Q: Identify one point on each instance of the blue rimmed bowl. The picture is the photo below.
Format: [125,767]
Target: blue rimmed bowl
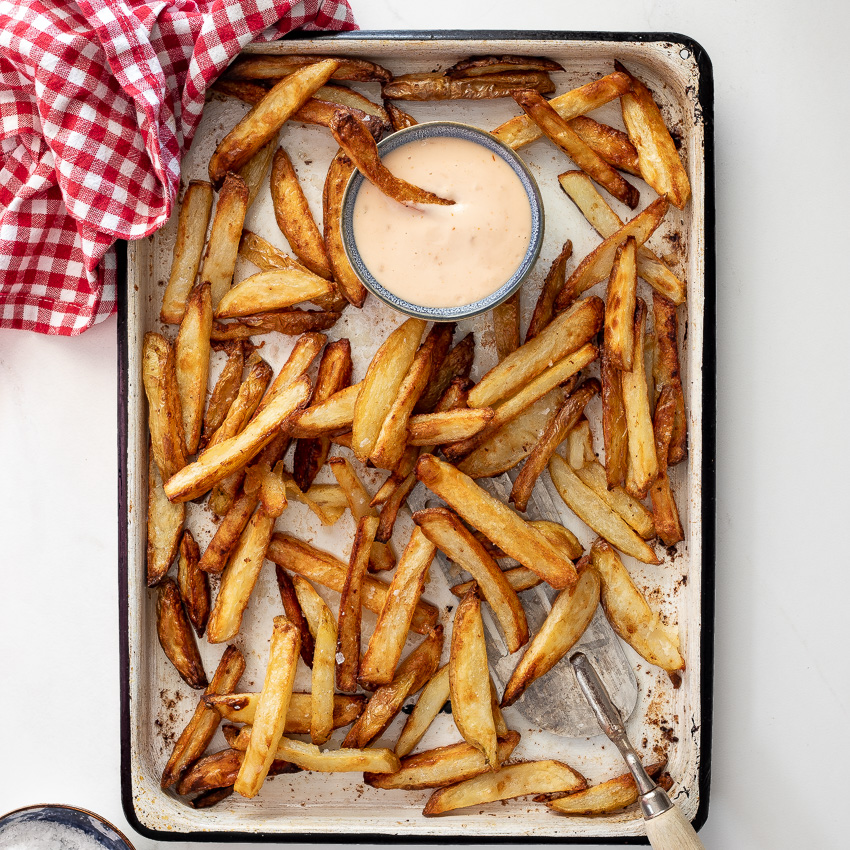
[455,130]
[47,817]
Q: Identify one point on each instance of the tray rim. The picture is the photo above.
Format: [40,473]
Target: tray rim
[708,493]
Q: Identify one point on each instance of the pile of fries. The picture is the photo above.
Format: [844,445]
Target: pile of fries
[417,415]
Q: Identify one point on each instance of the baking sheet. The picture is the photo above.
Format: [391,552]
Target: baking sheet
[157,703]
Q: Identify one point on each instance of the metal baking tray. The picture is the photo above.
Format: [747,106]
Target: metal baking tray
[156,704]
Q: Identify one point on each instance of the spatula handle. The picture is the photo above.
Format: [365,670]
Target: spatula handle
[671,830]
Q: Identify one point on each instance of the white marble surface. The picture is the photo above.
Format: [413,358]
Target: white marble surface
[782,688]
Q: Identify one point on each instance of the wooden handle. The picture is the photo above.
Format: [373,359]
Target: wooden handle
[672,831]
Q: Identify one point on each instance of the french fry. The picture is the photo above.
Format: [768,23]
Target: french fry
[192,226]
[445,530]
[620,307]
[192,362]
[322,110]
[478,65]
[521,130]
[331,416]
[594,512]
[544,309]
[176,636]
[272,706]
[612,145]
[357,142]
[334,374]
[292,609]
[666,372]
[246,402]
[659,161]
[399,118]
[324,569]
[241,708]
[193,583]
[579,451]
[442,766]
[269,291]
[519,578]
[289,322]
[515,780]
[554,434]
[560,537]
[260,478]
[565,623]
[350,605]
[224,392]
[165,522]
[256,169]
[505,528]
[302,355]
[327,501]
[387,641]
[642,456]
[380,387]
[593,207]
[506,326]
[226,457]
[249,92]
[355,102]
[269,67]
[228,533]
[562,337]
[664,510]
[604,798]
[559,131]
[392,505]
[437,429]
[438,86]
[469,678]
[614,429]
[218,770]
[431,701]
[261,124]
[164,419]
[457,364]
[196,737]
[630,615]
[632,511]
[294,218]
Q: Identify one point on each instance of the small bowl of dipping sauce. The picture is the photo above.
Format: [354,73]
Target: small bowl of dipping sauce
[443,263]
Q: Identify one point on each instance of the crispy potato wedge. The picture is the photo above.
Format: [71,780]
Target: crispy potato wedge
[604,798]
[228,533]
[519,578]
[164,419]
[322,111]
[553,435]
[192,223]
[193,583]
[620,307]
[666,372]
[475,66]
[251,391]
[324,569]
[165,522]
[593,207]
[292,609]
[398,117]
[271,67]
[457,364]
[240,708]
[303,353]
[664,510]
[630,615]
[192,363]
[333,415]
[614,429]
[562,337]
[223,244]
[176,636]
[521,130]
[611,144]
[431,701]
[544,309]
[514,780]
[442,766]
[268,483]
[557,130]
[437,429]
[288,322]
[356,102]
[269,291]
[445,530]
[437,86]
[632,511]
[594,512]
[565,623]
[272,707]
[224,392]
[560,537]
[294,218]
[256,169]
[261,124]
[506,326]
[218,770]
[199,731]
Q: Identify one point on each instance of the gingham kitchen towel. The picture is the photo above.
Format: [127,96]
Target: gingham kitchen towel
[98,101]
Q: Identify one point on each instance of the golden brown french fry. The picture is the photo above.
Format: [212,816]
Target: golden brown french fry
[632,511]
[559,131]
[611,144]
[356,102]
[289,322]
[350,606]
[642,455]
[442,766]
[261,124]
[506,326]
[554,434]
[519,578]
[228,533]
[294,218]
[188,246]
[544,309]
[630,615]
[594,512]
[270,67]
[227,457]
[327,501]
[218,770]
[437,86]
[565,623]
[446,531]
[469,678]
[560,537]
[436,429]
[164,419]
[392,505]
[521,130]
[193,583]
[303,353]
[593,207]
[664,510]
[246,402]
[562,337]
[604,798]
[241,708]
[431,701]
[659,161]
[292,609]
[324,569]
[323,108]
[666,372]
[478,65]
[192,362]
[515,780]
[399,118]
[509,531]
[165,522]
[224,392]
[457,364]
[268,483]
[614,430]
[331,416]
[357,142]
[269,291]
[251,93]
[176,636]
[196,737]
[620,307]
[272,706]
[256,169]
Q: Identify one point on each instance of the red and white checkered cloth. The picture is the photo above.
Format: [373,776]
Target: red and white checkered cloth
[98,101]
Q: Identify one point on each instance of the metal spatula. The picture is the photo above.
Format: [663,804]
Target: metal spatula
[554,702]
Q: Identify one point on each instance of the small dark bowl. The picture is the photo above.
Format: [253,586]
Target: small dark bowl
[455,130]
[94,826]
